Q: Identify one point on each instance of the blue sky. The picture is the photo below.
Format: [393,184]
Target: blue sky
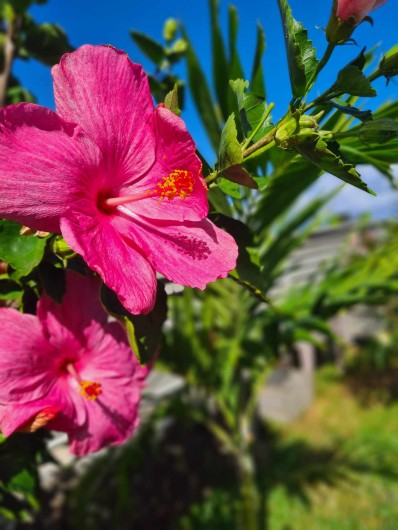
[97,22]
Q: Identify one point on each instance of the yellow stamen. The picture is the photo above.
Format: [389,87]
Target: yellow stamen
[90,389]
[179,183]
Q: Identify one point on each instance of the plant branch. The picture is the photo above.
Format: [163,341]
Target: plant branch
[9,54]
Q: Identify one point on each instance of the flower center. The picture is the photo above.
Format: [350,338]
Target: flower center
[179,183]
[88,389]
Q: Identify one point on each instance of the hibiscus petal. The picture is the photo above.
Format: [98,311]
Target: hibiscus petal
[18,417]
[63,404]
[40,155]
[99,88]
[80,310]
[175,150]
[27,360]
[192,254]
[123,268]
[112,416]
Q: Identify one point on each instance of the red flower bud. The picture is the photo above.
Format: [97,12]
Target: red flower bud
[356,9]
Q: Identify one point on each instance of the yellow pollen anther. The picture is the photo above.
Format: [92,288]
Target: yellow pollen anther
[39,420]
[179,183]
[90,389]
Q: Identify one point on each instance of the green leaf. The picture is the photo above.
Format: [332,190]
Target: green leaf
[219,58]
[351,80]
[53,280]
[45,42]
[301,56]
[144,331]
[10,289]
[328,157]
[217,201]
[230,188]
[239,175]
[235,66]
[292,176]
[247,266]
[23,253]
[230,152]
[171,101]
[149,47]
[378,131]
[252,110]
[201,95]
[362,115]
[257,77]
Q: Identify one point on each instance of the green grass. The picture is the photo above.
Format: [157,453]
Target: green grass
[343,470]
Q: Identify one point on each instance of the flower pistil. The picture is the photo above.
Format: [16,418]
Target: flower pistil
[179,183]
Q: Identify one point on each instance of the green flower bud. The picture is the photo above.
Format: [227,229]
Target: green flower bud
[170,29]
[296,130]
[389,64]
[378,131]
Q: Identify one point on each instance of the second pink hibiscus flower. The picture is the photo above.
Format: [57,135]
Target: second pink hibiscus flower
[119,179]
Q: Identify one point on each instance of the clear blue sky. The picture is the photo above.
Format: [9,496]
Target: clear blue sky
[97,22]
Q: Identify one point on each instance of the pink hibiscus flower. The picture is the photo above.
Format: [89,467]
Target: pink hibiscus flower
[356,9]
[119,179]
[70,370]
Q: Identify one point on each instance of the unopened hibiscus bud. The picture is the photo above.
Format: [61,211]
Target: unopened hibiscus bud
[296,130]
[345,17]
[378,131]
[389,64]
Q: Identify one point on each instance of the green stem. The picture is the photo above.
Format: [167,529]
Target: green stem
[374,76]
[250,499]
[267,139]
[322,63]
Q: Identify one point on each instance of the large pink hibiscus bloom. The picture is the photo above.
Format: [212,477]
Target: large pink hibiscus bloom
[118,178]
[69,369]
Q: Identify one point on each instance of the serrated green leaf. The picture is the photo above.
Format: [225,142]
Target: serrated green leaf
[23,253]
[252,110]
[301,55]
[351,80]
[230,152]
[328,157]
[257,78]
[149,47]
